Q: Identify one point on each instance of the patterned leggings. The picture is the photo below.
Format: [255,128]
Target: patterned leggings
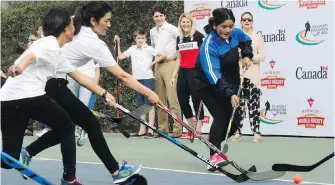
[250,95]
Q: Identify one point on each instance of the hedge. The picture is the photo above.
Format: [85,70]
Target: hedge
[127,16]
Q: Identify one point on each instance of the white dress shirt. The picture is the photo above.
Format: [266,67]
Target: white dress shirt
[164,39]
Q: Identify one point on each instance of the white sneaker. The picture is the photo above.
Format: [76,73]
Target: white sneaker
[78,131]
[45,130]
[257,138]
[236,138]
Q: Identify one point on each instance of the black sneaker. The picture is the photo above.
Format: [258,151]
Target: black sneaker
[149,136]
[138,135]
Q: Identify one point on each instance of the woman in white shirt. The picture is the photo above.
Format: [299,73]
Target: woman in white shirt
[23,95]
[91,20]
[93,71]
[251,91]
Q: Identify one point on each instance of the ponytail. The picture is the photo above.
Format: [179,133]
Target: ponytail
[209,26]
[93,9]
[77,21]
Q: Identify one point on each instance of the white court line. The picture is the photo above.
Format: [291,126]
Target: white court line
[182,171]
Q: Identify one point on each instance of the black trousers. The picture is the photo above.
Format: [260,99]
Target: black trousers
[81,116]
[14,118]
[30,125]
[221,109]
[185,89]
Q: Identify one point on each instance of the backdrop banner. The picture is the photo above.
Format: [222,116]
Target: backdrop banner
[297,75]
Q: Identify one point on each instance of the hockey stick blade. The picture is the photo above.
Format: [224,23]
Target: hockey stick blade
[299,168]
[137,112]
[124,120]
[144,109]
[237,178]
[255,176]
[266,175]
[119,122]
[12,162]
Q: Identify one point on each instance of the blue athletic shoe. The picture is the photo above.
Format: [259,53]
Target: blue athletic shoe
[25,160]
[125,172]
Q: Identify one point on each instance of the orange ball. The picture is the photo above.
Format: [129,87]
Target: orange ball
[297,179]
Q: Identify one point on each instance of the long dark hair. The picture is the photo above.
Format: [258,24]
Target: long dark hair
[220,15]
[83,14]
[55,21]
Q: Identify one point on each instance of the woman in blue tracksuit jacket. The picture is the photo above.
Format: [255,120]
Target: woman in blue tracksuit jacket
[218,74]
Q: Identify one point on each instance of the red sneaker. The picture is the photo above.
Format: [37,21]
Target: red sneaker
[186,135]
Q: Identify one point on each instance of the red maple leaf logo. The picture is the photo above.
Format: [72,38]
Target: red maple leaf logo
[310,102]
[272,64]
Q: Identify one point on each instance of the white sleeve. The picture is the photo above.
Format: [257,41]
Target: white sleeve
[152,39]
[175,31]
[128,52]
[45,56]
[152,51]
[102,56]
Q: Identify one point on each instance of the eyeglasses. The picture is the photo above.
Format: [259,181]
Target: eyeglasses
[245,20]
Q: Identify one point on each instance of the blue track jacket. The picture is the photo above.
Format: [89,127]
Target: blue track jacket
[218,61]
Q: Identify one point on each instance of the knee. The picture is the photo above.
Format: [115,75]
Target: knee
[91,125]
[71,127]
[65,132]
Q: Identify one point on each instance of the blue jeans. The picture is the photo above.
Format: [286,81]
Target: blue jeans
[92,101]
[140,98]
[79,91]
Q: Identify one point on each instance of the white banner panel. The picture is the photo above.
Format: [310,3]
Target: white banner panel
[297,74]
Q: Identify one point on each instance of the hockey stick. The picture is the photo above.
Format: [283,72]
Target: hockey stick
[144,109]
[117,80]
[196,121]
[120,122]
[256,176]
[225,145]
[298,168]
[237,178]
[17,165]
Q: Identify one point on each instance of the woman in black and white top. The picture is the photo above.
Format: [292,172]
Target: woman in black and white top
[91,20]
[188,44]
[23,95]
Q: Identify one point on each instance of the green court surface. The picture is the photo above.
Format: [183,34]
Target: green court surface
[165,163]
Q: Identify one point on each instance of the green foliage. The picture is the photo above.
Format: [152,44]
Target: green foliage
[127,16]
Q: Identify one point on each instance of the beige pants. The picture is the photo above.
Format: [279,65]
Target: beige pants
[166,93]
